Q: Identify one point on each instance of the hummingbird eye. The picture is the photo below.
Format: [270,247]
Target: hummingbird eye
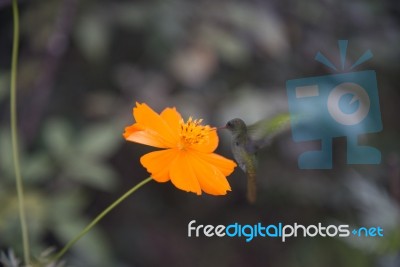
[229,124]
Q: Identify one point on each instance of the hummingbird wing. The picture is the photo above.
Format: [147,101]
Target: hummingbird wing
[264,131]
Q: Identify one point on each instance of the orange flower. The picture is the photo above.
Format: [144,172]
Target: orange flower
[187,158]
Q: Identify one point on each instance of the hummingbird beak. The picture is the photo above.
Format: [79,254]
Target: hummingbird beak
[221,127]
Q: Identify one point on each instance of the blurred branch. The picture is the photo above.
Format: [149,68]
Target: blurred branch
[14,133]
[55,49]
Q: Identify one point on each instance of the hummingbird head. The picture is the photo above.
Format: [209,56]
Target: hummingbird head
[236,126]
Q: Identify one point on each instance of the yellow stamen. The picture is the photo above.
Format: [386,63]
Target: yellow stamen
[192,132]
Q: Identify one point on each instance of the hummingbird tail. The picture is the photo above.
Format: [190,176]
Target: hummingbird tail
[251,188]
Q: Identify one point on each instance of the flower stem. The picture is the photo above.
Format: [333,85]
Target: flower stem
[100,216]
[14,133]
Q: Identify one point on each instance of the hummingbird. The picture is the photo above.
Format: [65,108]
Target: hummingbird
[248,140]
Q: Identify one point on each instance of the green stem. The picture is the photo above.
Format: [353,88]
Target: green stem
[14,133]
[100,216]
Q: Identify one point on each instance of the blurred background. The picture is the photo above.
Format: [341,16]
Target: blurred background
[83,65]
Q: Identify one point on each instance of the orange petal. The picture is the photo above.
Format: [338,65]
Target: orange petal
[154,124]
[226,166]
[158,163]
[135,133]
[172,118]
[211,179]
[211,145]
[182,174]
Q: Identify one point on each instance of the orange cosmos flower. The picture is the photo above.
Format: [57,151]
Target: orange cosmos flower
[187,158]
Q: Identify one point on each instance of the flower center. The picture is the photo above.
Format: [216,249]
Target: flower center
[192,132]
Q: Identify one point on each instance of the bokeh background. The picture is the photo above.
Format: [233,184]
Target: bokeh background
[83,65]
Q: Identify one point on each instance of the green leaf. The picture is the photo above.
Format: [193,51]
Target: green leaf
[94,174]
[100,140]
[37,168]
[58,138]
[4,83]
[70,202]
[93,36]
[92,247]
[6,162]
[70,222]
